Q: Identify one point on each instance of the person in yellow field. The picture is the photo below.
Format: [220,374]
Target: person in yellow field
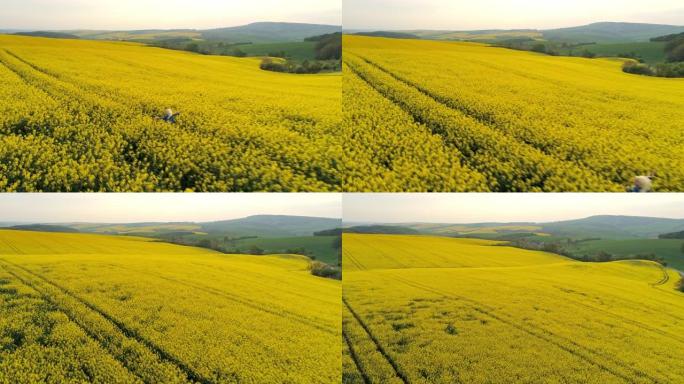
[169,116]
[642,184]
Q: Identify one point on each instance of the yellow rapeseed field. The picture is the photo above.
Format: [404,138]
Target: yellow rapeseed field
[469,116]
[95,308]
[85,116]
[439,310]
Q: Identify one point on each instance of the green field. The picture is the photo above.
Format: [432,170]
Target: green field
[87,308]
[321,247]
[303,50]
[669,249]
[650,52]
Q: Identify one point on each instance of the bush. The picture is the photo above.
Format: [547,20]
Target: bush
[670,70]
[320,269]
[270,65]
[637,68]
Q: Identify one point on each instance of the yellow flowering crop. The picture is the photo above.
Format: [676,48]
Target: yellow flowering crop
[522,121]
[85,116]
[444,310]
[94,308]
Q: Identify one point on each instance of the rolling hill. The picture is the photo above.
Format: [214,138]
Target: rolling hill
[611,32]
[241,128]
[256,33]
[602,32]
[273,225]
[615,227]
[622,237]
[261,234]
[269,32]
[436,310]
[113,309]
[54,35]
[603,226]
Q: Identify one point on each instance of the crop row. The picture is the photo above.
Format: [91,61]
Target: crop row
[65,127]
[586,114]
[506,164]
[124,345]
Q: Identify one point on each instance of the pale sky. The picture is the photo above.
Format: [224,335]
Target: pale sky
[501,207]
[161,14]
[143,207]
[504,14]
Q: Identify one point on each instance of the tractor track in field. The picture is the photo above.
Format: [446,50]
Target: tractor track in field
[163,355]
[664,279]
[88,332]
[578,351]
[353,260]
[485,118]
[355,358]
[216,292]
[397,369]
[58,86]
[88,88]
[61,85]
[529,154]
[641,326]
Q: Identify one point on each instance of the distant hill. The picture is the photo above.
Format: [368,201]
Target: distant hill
[268,32]
[673,235]
[255,33]
[615,227]
[667,38]
[611,32]
[389,34]
[604,32]
[381,229]
[273,225]
[254,226]
[606,227]
[53,35]
[44,228]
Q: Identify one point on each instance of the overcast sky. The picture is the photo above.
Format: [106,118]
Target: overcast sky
[504,14]
[139,207]
[162,14]
[500,207]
